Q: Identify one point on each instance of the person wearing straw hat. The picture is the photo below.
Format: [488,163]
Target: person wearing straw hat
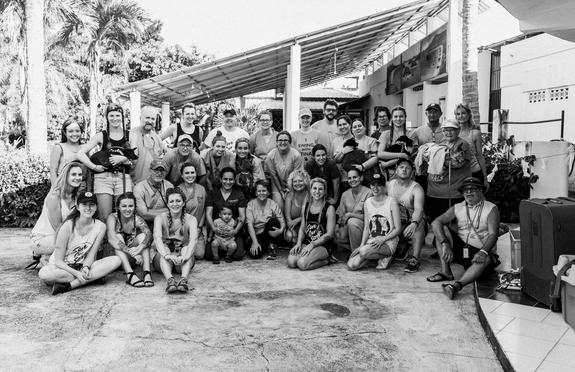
[473,244]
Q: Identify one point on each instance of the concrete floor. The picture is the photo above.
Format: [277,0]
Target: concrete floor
[248,315]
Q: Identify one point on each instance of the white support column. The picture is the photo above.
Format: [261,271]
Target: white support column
[286,99]
[293,91]
[135,108]
[454,58]
[165,115]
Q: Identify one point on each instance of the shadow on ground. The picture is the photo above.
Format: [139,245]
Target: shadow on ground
[248,315]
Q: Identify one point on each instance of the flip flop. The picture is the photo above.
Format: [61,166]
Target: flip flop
[439,277]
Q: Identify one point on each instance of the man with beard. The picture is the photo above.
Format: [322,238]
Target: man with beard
[151,198]
[229,130]
[187,126]
[473,244]
[328,123]
[184,153]
[149,144]
[410,197]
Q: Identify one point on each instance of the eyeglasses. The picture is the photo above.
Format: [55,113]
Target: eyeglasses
[282,140]
[185,146]
[330,110]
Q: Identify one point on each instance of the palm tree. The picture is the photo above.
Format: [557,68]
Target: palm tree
[470,94]
[108,25]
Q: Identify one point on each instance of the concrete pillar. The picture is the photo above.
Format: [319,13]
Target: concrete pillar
[165,115]
[135,108]
[286,99]
[242,103]
[293,88]
[454,57]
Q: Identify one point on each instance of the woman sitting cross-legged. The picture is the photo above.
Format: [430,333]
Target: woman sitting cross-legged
[315,239]
[382,226]
[130,237]
[266,223]
[175,236]
[73,263]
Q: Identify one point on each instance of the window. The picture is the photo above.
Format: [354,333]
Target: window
[537,96]
[556,94]
[551,94]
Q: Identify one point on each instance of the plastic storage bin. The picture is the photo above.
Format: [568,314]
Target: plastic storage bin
[515,237]
[568,300]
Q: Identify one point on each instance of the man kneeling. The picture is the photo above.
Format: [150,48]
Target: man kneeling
[382,225]
[473,243]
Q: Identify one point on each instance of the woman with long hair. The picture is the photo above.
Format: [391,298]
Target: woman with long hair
[297,196]
[472,134]
[381,121]
[66,151]
[249,168]
[175,235]
[321,166]
[73,263]
[339,150]
[130,237]
[315,246]
[58,204]
[398,129]
[216,159]
[109,183]
[195,204]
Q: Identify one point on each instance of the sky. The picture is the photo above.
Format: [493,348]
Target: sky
[226,27]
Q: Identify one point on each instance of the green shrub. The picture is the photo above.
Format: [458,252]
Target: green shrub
[23,207]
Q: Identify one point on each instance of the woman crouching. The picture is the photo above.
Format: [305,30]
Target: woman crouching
[175,236]
[315,244]
[73,263]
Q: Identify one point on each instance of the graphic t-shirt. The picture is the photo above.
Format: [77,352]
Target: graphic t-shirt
[380,220]
[304,142]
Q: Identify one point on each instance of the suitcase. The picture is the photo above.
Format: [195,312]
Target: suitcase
[547,231]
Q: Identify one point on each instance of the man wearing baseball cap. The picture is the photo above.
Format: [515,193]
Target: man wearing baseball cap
[306,137]
[183,153]
[229,130]
[473,244]
[150,193]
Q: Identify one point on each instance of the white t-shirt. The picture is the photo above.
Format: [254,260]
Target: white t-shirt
[304,142]
[231,136]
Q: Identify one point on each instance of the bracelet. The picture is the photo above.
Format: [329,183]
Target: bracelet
[415,222]
[483,251]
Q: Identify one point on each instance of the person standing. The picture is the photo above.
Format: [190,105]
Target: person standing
[382,119]
[65,152]
[229,131]
[328,124]
[306,137]
[186,126]
[429,133]
[263,141]
[149,144]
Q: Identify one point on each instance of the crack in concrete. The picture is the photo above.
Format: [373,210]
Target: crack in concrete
[263,354]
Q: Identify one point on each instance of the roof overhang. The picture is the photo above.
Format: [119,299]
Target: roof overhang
[325,54]
[554,17]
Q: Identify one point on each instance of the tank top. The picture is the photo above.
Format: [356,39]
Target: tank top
[474,164]
[108,142]
[66,157]
[381,220]
[404,200]
[175,237]
[316,226]
[195,136]
[478,217]
[43,225]
[79,245]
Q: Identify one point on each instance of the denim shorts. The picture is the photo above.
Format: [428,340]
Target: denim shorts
[111,183]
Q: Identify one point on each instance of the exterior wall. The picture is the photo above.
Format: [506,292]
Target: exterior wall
[536,65]
[483,80]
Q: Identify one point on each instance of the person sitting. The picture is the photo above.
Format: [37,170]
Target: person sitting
[265,222]
[382,228]
[175,235]
[321,166]
[73,263]
[150,193]
[58,204]
[297,196]
[410,197]
[315,246]
[473,244]
[355,158]
[130,237]
[224,238]
[195,205]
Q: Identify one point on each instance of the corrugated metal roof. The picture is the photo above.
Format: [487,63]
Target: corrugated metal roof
[354,45]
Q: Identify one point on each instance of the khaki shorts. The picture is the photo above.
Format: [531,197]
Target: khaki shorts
[111,183]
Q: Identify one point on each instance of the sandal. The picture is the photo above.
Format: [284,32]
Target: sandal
[449,290]
[138,283]
[439,277]
[35,262]
[147,282]
[171,288]
[183,285]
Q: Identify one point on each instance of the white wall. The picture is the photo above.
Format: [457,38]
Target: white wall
[483,80]
[538,63]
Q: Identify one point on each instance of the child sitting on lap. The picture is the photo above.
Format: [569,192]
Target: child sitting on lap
[223,235]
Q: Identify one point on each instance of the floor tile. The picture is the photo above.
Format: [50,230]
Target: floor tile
[568,338]
[533,329]
[522,311]
[497,321]
[562,354]
[522,363]
[523,345]
[548,366]
[488,305]
[555,319]
[516,297]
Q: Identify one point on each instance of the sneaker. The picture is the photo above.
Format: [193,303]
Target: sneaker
[413,265]
[383,263]
[228,259]
[216,261]
[58,288]
[272,253]
[182,285]
[171,287]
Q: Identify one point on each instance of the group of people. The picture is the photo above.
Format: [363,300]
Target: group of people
[226,194]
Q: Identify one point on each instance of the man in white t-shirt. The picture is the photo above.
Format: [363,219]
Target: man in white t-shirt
[328,124]
[229,130]
[305,138]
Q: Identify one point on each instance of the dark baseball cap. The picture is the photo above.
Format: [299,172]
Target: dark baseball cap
[230,111]
[471,181]
[87,197]
[377,179]
[434,106]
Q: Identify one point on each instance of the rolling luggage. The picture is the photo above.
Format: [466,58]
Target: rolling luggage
[547,231]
